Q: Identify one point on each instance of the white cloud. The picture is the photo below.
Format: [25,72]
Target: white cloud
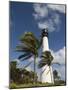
[42,12]
[60,8]
[62,71]
[47,24]
[56,18]
[59,56]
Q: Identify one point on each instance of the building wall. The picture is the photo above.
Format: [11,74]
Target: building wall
[45,44]
[47,75]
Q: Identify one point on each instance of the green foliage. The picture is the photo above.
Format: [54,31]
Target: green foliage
[59,83]
[21,75]
[56,76]
[29,45]
[38,84]
[46,58]
[14,72]
[12,85]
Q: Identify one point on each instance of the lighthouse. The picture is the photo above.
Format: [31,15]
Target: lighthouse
[47,75]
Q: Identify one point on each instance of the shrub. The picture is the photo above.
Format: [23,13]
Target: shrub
[12,85]
[60,82]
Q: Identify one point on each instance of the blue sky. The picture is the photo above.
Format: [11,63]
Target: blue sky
[33,17]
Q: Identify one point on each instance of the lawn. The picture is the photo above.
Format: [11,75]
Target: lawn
[30,85]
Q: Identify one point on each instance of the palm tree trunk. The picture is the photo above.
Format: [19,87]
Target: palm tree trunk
[41,77]
[34,69]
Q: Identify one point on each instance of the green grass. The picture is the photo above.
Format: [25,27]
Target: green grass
[30,85]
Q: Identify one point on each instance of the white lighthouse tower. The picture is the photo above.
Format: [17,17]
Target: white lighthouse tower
[47,75]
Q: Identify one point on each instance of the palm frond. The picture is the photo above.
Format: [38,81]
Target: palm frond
[42,63]
[56,63]
[27,57]
[46,58]
[27,65]
[30,38]
[29,42]
[24,55]
[25,49]
[26,46]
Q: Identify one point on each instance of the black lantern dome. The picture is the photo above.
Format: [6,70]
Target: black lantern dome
[45,32]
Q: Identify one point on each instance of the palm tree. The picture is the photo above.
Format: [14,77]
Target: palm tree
[29,46]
